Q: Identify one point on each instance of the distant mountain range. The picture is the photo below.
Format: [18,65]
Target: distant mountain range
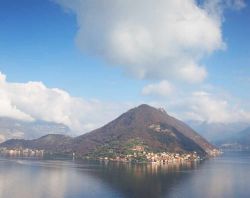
[51,143]
[141,127]
[238,141]
[231,136]
[12,128]
[218,132]
[243,137]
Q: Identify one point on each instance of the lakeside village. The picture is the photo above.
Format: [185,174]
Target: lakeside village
[137,155]
[158,158]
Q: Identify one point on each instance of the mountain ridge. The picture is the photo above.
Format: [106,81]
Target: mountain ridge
[239,141]
[11,128]
[217,132]
[144,126]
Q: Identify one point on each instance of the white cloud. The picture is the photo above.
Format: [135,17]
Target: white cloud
[34,101]
[164,88]
[204,106]
[209,107]
[162,40]
[216,7]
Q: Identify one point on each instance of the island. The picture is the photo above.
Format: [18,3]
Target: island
[141,135]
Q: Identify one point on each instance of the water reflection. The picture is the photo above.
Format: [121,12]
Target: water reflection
[48,179]
[144,180]
[227,176]
[57,179]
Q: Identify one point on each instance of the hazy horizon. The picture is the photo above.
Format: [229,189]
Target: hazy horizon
[82,63]
[75,73]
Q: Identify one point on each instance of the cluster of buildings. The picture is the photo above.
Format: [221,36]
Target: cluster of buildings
[138,154]
[171,157]
[158,158]
[22,152]
[214,152]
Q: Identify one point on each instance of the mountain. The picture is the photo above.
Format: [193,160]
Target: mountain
[154,127]
[50,142]
[17,129]
[241,140]
[243,137]
[217,132]
[141,128]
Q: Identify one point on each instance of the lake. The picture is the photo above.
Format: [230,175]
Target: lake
[225,176]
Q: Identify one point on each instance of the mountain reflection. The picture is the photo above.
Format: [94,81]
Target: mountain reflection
[58,179]
[143,180]
[227,176]
[45,179]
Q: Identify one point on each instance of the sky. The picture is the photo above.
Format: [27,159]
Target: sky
[84,62]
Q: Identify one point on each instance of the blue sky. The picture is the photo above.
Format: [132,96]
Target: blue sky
[38,42]
[230,68]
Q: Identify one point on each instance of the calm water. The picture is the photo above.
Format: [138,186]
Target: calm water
[226,176]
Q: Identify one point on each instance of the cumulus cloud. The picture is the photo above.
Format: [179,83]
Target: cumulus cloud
[34,101]
[203,106]
[164,88]
[216,7]
[162,40]
[209,107]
